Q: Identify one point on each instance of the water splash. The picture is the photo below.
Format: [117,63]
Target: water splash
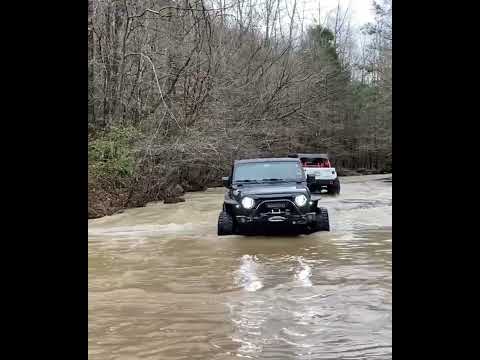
[303,272]
[247,274]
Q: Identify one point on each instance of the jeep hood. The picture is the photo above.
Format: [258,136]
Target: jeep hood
[272,189]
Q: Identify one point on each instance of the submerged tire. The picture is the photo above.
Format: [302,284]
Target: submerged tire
[322,223]
[225,224]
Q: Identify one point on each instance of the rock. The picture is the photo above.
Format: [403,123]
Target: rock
[196,179]
[174,191]
[178,190]
[173,200]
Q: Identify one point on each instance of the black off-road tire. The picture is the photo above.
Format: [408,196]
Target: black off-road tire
[322,222]
[335,188]
[225,224]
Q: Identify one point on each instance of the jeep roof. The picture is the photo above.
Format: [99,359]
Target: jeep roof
[263,160]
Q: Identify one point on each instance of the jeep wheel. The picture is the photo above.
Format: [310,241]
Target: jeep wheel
[322,222]
[335,188]
[225,224]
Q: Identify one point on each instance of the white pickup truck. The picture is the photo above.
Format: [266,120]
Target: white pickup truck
[321,176]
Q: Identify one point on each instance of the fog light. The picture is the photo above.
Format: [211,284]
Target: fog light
[237,206]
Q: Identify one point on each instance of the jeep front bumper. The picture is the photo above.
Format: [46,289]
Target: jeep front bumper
[266,219]
[276,218]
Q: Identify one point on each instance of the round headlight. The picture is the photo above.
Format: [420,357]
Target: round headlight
[300,200]
[247,202]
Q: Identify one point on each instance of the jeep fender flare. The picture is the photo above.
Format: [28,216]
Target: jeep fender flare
[315,198]
[229,204]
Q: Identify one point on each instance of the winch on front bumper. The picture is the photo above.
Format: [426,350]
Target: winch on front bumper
[276,211]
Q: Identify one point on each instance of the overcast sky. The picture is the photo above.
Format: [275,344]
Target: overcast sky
[361,10]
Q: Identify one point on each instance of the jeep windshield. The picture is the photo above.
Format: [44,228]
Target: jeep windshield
[275,171]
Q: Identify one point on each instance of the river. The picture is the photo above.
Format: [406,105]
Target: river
[163,285]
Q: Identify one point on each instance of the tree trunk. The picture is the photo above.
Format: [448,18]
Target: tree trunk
[91,92]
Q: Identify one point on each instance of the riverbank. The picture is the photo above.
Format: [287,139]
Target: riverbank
[103,202]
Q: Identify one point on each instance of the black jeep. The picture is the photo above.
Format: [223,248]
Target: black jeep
[270,194]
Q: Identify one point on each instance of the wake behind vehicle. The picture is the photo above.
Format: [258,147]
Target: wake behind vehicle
[270,194]
[322,177]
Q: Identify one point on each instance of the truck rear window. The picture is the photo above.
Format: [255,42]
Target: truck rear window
[312,162]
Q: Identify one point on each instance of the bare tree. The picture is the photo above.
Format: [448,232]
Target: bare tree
[193,84]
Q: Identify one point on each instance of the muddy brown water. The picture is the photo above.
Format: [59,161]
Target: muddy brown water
[163,285]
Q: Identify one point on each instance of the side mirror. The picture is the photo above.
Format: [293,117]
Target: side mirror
[226,181]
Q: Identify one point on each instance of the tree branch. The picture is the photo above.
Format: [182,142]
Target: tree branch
[158,85]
